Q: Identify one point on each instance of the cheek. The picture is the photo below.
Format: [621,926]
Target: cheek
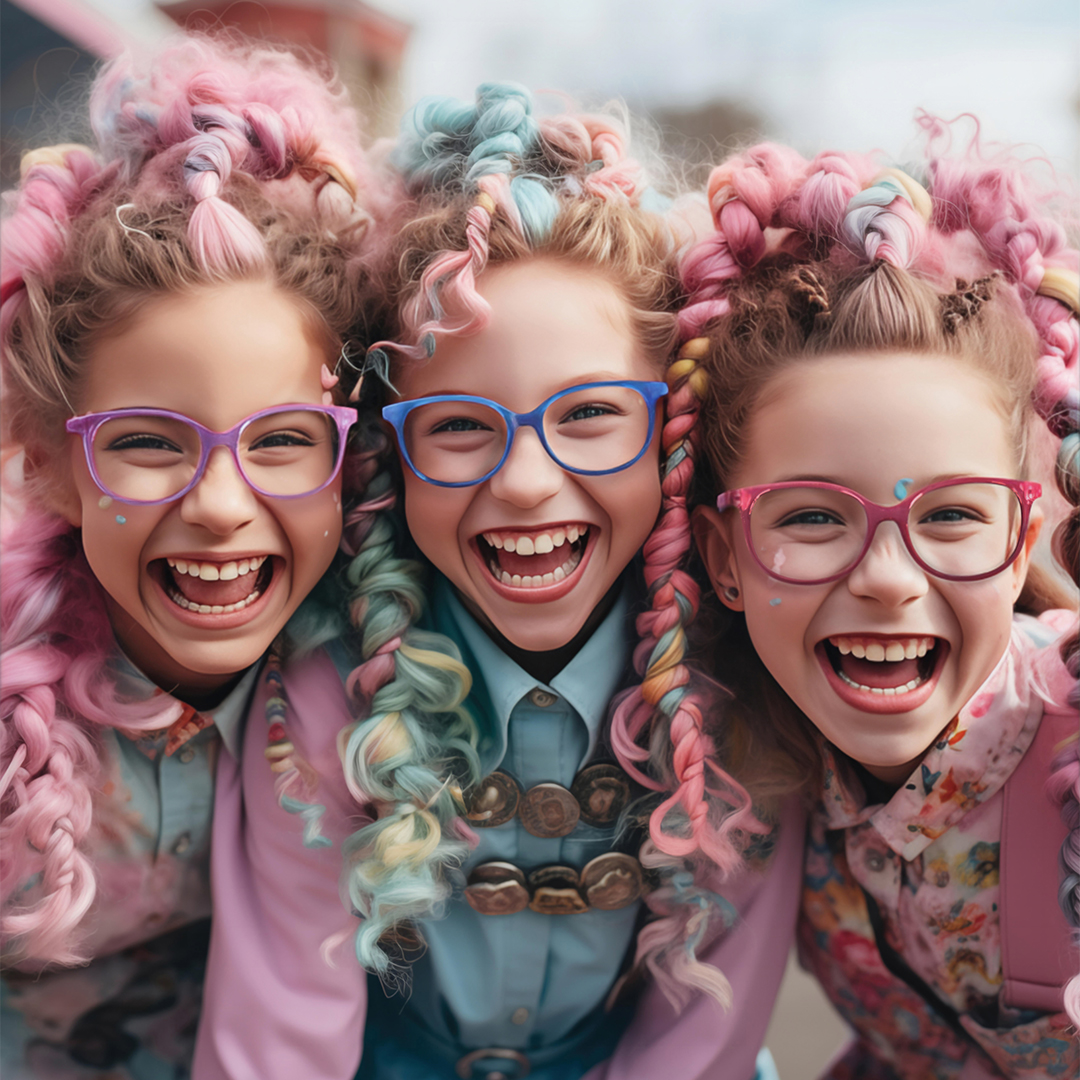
[434,516]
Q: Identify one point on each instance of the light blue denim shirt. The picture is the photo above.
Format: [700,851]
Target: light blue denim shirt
[523,981]
[150,845]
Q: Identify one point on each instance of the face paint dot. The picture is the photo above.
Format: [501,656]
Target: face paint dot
[105,502]
[121,520]
[326,534]
[774,602]
[900,488]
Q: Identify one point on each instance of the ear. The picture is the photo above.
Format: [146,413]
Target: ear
[714,536]
[56,484]
[1020,567]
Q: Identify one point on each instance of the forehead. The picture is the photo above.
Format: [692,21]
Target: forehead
[551,325]
[865,420]
[216,354]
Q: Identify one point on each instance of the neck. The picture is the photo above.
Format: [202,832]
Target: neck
[544,666]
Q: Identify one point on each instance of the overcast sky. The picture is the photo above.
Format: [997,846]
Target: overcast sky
[849,73]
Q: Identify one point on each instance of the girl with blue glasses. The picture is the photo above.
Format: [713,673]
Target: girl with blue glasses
[556,889]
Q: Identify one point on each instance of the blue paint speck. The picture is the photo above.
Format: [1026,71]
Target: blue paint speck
[774,602]
[900,489]
[121,520]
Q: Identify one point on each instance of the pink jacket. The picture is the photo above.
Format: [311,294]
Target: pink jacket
[274,1009]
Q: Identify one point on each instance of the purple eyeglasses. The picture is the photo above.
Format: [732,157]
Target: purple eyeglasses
[152,456]
[812,533]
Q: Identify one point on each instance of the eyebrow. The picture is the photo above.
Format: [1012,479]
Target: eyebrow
[576,380]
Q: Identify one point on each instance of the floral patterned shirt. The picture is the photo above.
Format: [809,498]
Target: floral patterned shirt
[922,870]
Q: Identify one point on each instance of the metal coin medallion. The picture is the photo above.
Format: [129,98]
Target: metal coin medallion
[497,888]
[549,810]
[495,801]
[602,792]
[555,891]
[612,881]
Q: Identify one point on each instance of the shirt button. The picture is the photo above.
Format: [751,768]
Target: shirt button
[541,698]
[519,1016]
[187,755]
[182,844]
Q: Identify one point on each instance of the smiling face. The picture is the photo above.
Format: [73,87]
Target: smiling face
[882,659]
[534,549]
[199,587]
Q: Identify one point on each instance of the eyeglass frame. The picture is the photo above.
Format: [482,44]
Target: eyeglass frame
[744,499]
[89,424]
[395,415]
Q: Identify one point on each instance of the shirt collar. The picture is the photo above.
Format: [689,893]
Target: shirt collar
[968,764]
[587,683]
[179,721]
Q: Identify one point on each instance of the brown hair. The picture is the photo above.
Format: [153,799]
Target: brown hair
[782,313]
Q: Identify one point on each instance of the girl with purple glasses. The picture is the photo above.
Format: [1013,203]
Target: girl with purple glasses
[880,345]
[173,302]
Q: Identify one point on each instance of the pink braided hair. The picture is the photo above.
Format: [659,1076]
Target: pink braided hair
[183,125]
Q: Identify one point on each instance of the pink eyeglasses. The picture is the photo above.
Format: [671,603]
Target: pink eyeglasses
[810,533]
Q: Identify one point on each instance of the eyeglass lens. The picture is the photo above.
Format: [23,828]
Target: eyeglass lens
[807,534]
[594,430]
[147,458]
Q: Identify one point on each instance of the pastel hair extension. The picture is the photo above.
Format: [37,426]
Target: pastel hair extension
[90,236]
[413,750]
[55,688]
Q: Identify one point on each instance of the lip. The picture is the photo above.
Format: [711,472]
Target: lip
[882,704]
[224,621]
[539,594]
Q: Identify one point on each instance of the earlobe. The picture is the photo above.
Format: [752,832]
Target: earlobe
[712,533]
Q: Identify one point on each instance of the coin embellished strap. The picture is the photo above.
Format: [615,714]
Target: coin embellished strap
[597,796]
[610,881]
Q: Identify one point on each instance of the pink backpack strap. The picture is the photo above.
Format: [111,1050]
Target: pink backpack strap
[1038,952]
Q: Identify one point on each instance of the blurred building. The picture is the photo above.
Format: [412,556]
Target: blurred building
[366,45]
[48,49]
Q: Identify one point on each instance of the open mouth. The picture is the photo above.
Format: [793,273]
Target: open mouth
[215,588]
[536,566]
[883,674]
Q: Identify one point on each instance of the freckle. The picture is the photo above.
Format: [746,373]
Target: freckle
[774,602]
[121,520]
[105,502]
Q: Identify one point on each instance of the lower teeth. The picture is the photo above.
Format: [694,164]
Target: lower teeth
[535,581]
[888,691]
[212,609]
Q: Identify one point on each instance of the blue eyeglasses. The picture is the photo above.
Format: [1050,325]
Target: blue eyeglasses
[457,440]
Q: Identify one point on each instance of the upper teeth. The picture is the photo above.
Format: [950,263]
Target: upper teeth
[897,649]
[217,571]
[535,543]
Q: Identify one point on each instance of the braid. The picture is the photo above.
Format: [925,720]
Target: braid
[54,678]
[413,750]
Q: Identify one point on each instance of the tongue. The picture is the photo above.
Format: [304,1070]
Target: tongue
[513,563]
[216,592]
[881,673]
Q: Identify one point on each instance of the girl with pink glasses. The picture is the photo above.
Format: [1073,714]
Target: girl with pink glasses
[174,302]
[880,345]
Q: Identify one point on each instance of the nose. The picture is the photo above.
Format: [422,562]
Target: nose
[887,573]
[529,475]
[221,501]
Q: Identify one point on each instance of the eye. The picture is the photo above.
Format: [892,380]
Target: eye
[459,423]
[948,515]
[812,517]
[282,438]
[590,411]
[144,441]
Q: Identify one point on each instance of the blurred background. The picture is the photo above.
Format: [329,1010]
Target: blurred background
[710,73]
